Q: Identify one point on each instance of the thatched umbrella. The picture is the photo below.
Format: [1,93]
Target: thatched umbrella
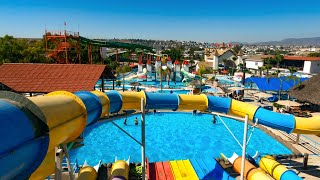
[195,83]
[235,88]
[288,103]
[307,91]
[262,95]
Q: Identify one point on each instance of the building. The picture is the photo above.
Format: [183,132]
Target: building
[221,56]
[309,65]
[45,78]
[254,61]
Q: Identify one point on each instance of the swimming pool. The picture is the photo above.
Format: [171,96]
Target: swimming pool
[175,91]
[170,136]
[172,84]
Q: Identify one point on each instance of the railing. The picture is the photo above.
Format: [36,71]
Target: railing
[305,142]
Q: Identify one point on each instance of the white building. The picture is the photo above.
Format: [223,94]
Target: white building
[310,65]
[222,56]
[254,61]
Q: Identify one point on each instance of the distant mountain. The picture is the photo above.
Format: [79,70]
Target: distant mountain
[314,41]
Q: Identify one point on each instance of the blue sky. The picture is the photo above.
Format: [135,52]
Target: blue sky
[202,20]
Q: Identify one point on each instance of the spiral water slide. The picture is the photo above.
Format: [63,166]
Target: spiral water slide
[32,127]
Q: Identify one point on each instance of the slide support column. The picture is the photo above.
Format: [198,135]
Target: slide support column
[244,146]
[297,138]
[143,144]
[66,152]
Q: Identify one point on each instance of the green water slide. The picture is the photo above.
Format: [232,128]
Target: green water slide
[110,44]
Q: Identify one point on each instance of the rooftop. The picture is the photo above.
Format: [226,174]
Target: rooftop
[44,78]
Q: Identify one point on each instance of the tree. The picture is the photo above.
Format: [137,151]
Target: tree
[261,69]
[292,70]
[168,74]
[123,69]
[161,73]
[316,54]
[236,49]
[201,71]
[278,59]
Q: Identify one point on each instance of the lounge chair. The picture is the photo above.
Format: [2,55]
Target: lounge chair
[274,98]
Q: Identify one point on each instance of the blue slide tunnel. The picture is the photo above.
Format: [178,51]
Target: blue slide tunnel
[284,122]
[24,136]
[115,99]
[162,101]
[219,104]
[93,106]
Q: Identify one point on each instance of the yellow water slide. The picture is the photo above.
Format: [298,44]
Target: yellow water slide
[132,100]
[193,102]
[66,117]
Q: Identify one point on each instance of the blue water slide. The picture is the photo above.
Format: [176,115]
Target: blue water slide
[93,106]
[289,174]
[115,99]
[219,104]
[284,122]
[162,101]
[24,140]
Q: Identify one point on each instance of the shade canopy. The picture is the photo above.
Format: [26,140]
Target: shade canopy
[235,88]
[288,103]
[274,83]
[262,95]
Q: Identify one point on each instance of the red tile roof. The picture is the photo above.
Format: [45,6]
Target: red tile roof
[185,62]
[51,77]
[301,58]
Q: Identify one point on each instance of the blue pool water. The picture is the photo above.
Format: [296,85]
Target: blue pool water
[170,136]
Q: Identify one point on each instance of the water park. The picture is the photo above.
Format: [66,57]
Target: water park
[162,119]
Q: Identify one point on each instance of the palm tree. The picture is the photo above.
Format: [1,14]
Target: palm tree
[168,74]
[292,70]
[261,69]
[201,71]
[278,59]
[123,69]
[161,73]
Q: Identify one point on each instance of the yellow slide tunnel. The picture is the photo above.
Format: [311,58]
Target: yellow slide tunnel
[307,125]
[242,109]
[66,117]
[120,169]
[132,100]
[277,170]
[105,102]
[250,171]
[193,102]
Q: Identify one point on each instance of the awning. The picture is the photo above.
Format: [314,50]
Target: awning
[274,83]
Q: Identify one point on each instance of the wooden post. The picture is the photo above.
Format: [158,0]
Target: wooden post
[298,139]
[305,161]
